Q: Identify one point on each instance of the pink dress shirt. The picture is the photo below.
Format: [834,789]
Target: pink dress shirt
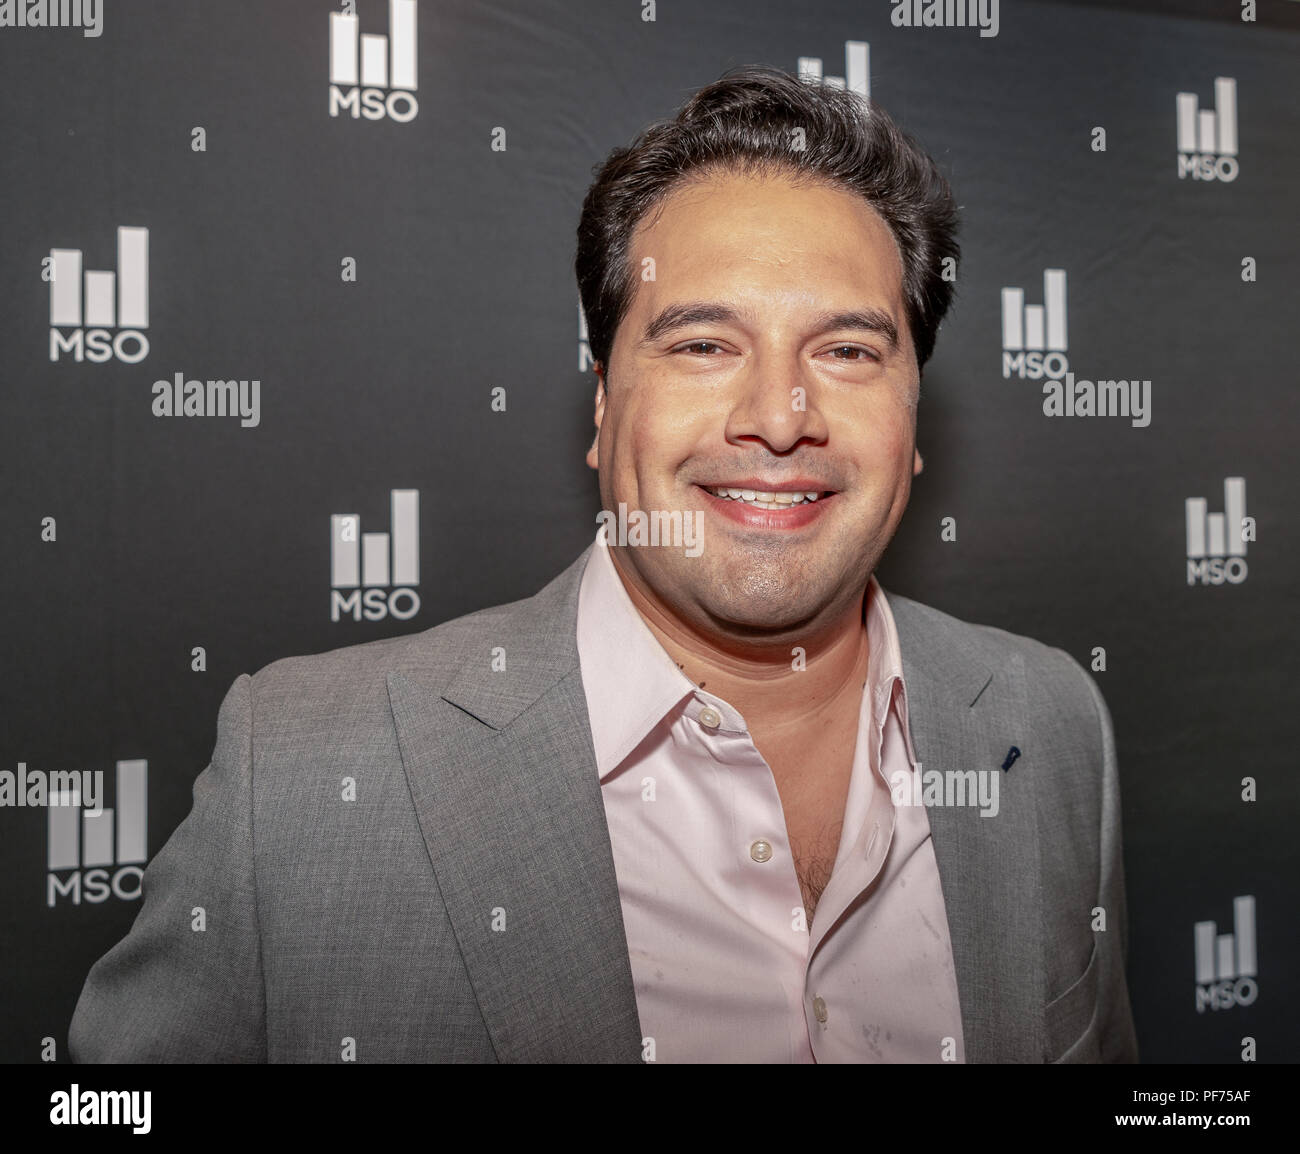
[724,968]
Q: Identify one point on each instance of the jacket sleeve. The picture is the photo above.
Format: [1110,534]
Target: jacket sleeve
[1117,1037]
[186,983]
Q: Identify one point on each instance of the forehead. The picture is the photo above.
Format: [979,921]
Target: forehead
[735,233]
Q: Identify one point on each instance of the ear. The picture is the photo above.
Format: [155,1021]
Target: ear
[593,455]
[917,463]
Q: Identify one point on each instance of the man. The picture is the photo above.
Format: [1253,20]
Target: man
[676,806]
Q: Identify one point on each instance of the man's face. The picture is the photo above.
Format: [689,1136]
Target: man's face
[788,393]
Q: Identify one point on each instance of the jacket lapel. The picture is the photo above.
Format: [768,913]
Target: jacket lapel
[965,714]
[504,781]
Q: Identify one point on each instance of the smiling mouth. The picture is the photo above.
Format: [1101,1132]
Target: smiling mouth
[767,498]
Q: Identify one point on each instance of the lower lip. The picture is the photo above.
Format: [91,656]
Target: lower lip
[752,517]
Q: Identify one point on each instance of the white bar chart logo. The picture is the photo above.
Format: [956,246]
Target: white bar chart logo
[1216,542]
[857,69]
[1207,138]
[105,848]
[1226,965]
[373,76]
[1035,337]
[380,569]
[91,302]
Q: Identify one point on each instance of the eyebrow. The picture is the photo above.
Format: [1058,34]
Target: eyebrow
[678,316]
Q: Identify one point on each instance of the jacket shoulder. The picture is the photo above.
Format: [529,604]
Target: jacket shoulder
[1054,679]
[351,677]
[434,656]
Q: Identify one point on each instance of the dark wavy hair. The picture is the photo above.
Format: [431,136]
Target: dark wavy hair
[747,122]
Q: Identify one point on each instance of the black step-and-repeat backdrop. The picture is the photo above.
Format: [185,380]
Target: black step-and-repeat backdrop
[293,359]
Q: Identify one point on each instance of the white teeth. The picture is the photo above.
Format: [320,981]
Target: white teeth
[765,500]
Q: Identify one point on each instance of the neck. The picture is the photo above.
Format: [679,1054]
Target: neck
[766,684]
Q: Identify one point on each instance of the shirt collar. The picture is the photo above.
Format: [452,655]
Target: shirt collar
[885,679]
[629,679]
[631,683]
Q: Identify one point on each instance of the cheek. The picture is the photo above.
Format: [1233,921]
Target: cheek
[659,438]
[887,437]
[636,456]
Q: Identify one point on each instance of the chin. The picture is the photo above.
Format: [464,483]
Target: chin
[757,611]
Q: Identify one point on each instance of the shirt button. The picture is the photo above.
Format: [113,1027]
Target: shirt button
[760,850]
[819,1009]
[710,718]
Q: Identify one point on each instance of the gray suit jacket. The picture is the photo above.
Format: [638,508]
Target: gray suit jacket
[475,798]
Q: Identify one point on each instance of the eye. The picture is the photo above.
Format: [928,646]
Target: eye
[696,345]
[866,354]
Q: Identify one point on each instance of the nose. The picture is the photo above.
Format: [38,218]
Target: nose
[775,404]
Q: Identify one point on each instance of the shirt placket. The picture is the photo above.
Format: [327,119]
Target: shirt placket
[768,886]
[827,991]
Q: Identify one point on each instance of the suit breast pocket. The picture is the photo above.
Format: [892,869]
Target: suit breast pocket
[1071,1019]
